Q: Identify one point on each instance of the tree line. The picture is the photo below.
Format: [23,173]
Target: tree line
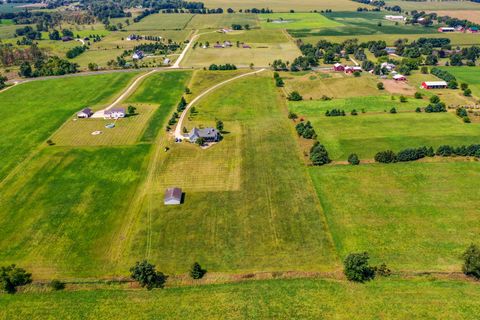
[413,154]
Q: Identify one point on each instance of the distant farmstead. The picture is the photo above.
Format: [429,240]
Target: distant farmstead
[85,113]
[338,67]
[208,134]
[434,85]
[399,77]
[446,29]
[395,18]
[353,69]
[138,55]
[173,196]
[115,113]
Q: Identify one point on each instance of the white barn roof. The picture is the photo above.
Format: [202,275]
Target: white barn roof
[435,83]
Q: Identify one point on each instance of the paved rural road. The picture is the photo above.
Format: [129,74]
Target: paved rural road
[178,129]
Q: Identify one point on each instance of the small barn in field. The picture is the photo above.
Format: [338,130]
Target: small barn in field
[338,67]
[85,113]
[434,85]
[353,69]
[399,77]
[173,196]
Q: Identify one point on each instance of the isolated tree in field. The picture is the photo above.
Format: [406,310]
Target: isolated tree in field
[418,110]
[146,274]
[464,86]
[471,261]
[467,92]
[187,90]
[434,99]
[220,125]
[57,285]
[12,277]
[353,159]
[131,110]
[294,96]
[393,110]
[403,99]
[196,271]
[418,95]
[292,115]
[380,86]
[356,267]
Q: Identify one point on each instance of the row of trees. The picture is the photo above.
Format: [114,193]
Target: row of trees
[75,51]
[412,154]
[305,130]
[227,66]
[53,66]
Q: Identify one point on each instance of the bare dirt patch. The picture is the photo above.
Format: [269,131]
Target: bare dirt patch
[399,87]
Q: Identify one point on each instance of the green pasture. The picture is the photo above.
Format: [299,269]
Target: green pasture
[61,210]
[163,89]
[6,22]
[457,39]
[296,21]
[216,21]
[367,134]
[32,111]
[204,79]
[285,5]
[269,299]
[433,5]
[250,36]
[470,75]
[162,21]
[411,216]
[249,203]
[8,30]
[361,23]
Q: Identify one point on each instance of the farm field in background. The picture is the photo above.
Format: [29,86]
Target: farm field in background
[285,5]
[296,21]
[434,5]
[162,21]
[33,111]
[278,299]
[217,21]
[470,75]
[235,217]
[412,216]
[470,15]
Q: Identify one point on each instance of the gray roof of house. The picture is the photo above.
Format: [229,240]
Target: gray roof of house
[86,110]
[173,194]
[114,110]
[204,133]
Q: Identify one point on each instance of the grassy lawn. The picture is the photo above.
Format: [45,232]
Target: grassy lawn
[162,21]
[249,203]
[412,216]
[202,80]
[470,75]
[285,5]
[271,299]
[361,23]
[163,89]
[334,85]
[368,134]
[32,111]
[216,21]
[296,21]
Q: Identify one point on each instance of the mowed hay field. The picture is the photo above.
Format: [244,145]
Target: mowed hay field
[262,52]
[162,21]
[249,203]
[450,5]
[272,299]
[470,15]
[31,112]
[296,21]
[412,216]
[469,75]
[216,21]
[285,5]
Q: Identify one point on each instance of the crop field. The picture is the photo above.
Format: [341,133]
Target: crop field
[240,221]
[162,21]
[361,23]
[334,85]
[459,39]
[296,21]
[412,216]
[78,132]
[250,36]
[470,15]
[60,211]
[285,5]
[276,299]
[470,75]
[32,111]
[434,5]
[216,21]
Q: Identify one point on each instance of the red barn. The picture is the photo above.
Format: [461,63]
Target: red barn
[434,85]
[338,67]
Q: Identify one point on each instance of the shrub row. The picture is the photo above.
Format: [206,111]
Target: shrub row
[335,113]
[306,130]
[442,74]
[412,154]
[278,80]
[222,67]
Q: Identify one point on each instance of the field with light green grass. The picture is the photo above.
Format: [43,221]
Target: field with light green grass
[235,217]
[470,75]
[296,21]
[250,36]
[216,21]
[314,85]
[204,79]
[271,299]
[162,21]
[433,5]
[285,5]
[8,30]
[412,216]
[32,111]
[6,22]
[367,134]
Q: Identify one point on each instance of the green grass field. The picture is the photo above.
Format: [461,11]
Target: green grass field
[412,216]
[470,75]
[236,216]
[361,23]
[296,21]
[32,111]
[250,36]
[162,22]
[433,5]
[273,299]
[216,21]
[285,5]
